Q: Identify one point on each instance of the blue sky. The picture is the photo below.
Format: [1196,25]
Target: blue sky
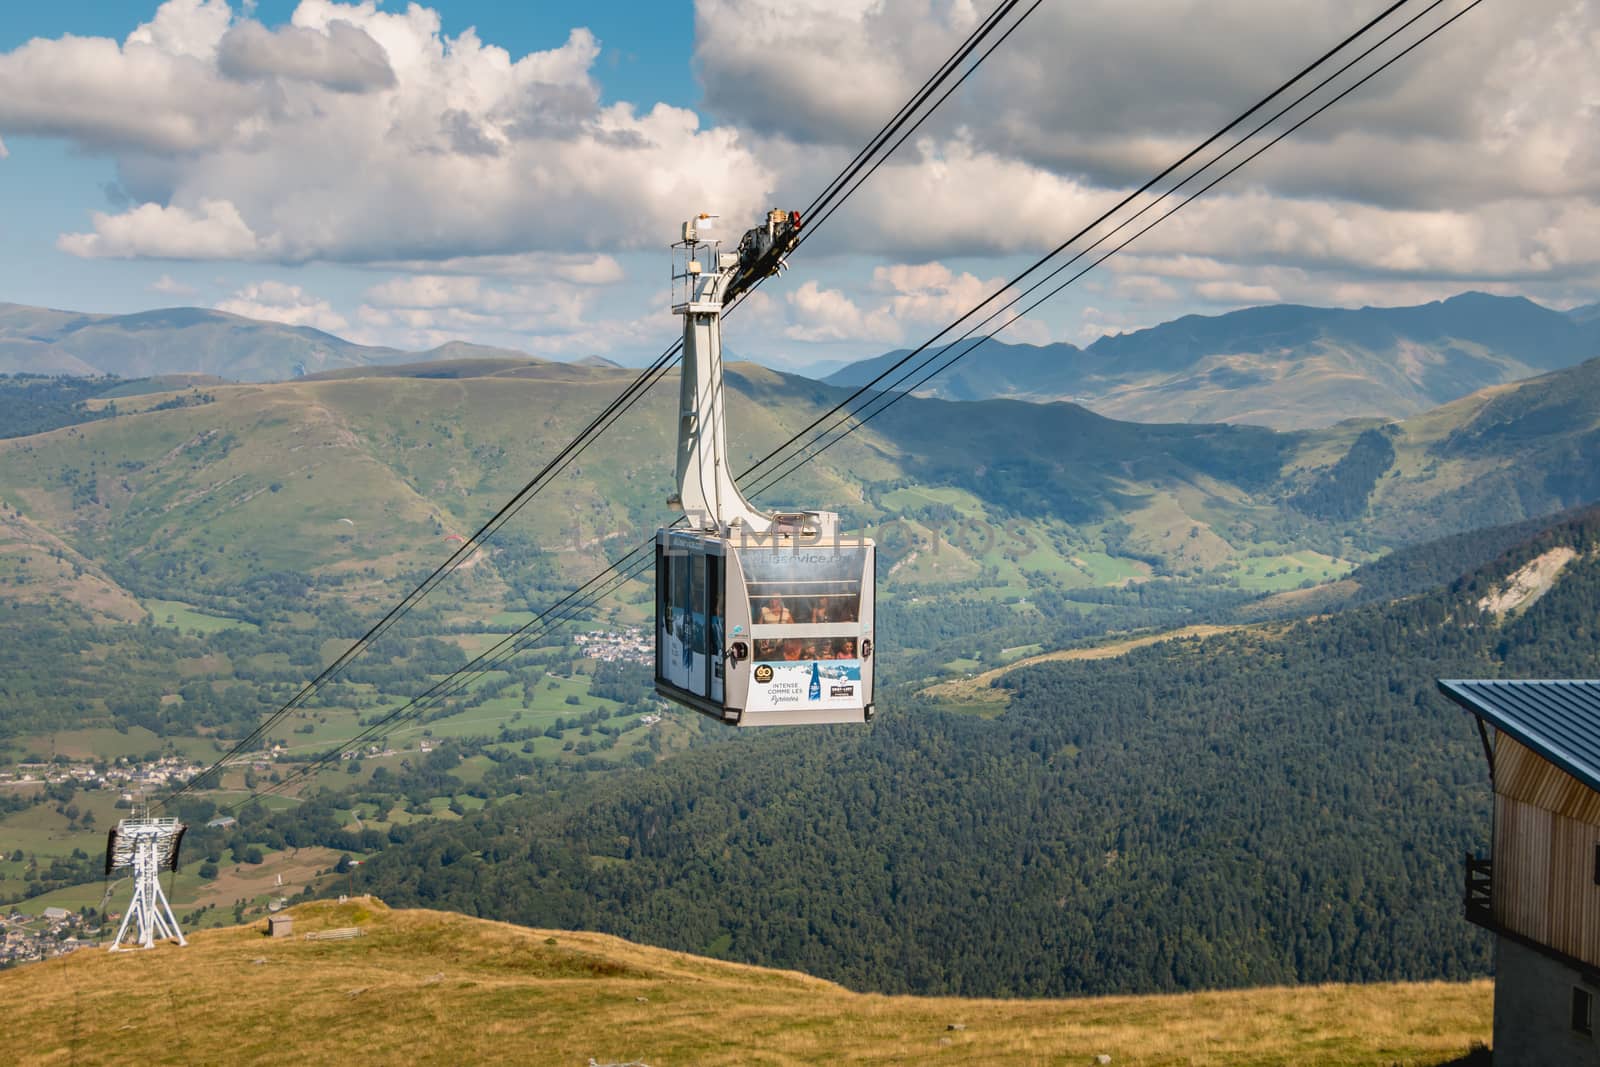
[512,173]
[647,44]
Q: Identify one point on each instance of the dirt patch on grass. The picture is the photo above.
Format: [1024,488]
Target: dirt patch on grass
[979,689]
[1529,583]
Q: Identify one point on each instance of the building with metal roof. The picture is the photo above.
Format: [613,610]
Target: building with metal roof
[1538,891]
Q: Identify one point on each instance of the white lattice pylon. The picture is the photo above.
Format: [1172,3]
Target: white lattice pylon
[148,845]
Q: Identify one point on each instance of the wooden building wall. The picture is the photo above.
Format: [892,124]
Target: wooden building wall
[1523,774]
[1547,826]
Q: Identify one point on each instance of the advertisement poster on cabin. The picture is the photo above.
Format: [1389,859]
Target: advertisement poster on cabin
[808,684]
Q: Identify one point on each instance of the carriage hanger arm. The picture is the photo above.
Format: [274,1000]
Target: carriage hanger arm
[711,280]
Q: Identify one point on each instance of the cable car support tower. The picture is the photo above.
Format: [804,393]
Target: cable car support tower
[147,845]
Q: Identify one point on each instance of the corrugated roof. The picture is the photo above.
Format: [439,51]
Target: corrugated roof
[1558,719]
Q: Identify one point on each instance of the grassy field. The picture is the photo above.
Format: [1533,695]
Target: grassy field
[1273,574]
[107,743]
[425,987]
[186,617]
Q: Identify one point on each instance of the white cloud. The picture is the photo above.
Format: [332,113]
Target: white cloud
[953,197]
[902,303]
[215,231]
[1237,293]
[931,292]
[819,70]
[280,302]
[1176,266]
[166,285]
[500,190]
[188,28]
[425,291]
[1144,288]
[577,268]
[1112,90]
[344,59]
[1476,158]
[542,308]
[550,318]
[361,135]
[826,315]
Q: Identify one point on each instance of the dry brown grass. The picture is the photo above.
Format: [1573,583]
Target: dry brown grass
[427,987]
[246,881]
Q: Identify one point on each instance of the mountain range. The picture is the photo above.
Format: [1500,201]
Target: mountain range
[191,341]
[1284,366]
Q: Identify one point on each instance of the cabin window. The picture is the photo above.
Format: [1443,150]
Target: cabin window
[1582,1010]
[804,587]
[681,619]
[1597,863]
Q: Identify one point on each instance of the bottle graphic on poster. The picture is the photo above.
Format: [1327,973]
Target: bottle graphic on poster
[816,682]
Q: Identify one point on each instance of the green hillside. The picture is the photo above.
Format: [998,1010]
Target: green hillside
[365,477]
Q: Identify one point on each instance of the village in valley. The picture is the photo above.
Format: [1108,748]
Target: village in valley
[53,932]
[631,644]
[128,774]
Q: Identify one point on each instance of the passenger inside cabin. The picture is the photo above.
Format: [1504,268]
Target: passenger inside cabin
[774,612]
[792,649]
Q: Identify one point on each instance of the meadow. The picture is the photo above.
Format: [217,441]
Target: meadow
[424,987]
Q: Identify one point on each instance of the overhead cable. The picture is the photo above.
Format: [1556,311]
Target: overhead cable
[833,195]
[632,564]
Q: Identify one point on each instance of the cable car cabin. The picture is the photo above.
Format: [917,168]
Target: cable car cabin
[762,618]
[765,634]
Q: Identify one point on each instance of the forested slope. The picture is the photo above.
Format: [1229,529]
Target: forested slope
[1286,805]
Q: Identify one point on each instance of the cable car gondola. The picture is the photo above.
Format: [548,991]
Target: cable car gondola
[762,619]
